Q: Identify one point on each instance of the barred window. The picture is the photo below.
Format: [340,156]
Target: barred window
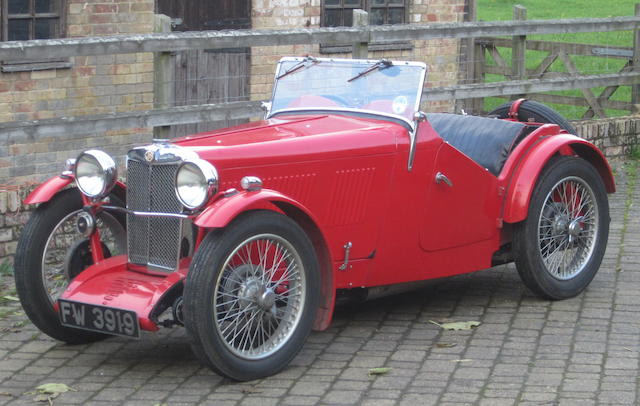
[24,20]
[31,19]
[337,13]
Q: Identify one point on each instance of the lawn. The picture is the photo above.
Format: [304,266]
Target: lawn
[492,10]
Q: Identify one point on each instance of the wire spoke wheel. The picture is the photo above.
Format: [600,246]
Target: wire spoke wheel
[52,251]
[259,296]
[568,226]
[560,245]
[251,295]
[66,252]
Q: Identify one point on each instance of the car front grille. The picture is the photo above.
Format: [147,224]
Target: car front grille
[153,241]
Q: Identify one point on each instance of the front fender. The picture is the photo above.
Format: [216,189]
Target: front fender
[223,211]
[523,181]
[220,213]
[51,187]
[45,191]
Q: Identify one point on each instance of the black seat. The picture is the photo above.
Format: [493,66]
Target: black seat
[487,141]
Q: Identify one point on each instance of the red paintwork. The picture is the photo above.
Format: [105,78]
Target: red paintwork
[111,283]
[44,192]
[525,175]
[514,109]
[48,189]
[348,176]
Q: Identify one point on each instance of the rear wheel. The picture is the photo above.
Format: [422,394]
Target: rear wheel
[251,296]
[533,111]
[51,252]
[559,247]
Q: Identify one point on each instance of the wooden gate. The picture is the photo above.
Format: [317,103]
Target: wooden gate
[208,76]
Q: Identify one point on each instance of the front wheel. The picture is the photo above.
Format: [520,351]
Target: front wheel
[251,296]
[51,252]
[559,247]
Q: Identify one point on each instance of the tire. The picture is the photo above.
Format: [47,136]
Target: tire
[232,298]
[51,253]
[534,111]
[559,247]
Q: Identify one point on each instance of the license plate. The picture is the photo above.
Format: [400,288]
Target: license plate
[102,319]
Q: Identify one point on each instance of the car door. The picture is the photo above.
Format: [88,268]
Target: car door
[462,203]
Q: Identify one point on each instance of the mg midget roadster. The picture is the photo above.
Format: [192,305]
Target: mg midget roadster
[245,236]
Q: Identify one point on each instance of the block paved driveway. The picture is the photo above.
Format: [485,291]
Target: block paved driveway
[526,351]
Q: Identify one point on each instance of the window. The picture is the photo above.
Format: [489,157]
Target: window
[24,20]
[339,13]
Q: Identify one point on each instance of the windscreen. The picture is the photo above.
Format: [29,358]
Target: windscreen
[379,87]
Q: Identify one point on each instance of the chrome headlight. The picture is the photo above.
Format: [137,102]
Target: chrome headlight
[96,173]
[196,182]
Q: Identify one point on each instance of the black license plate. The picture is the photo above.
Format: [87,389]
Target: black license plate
[103,319]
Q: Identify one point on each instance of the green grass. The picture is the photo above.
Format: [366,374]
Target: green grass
[492,10]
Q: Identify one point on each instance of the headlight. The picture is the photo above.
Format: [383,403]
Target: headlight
[96,173]
[196,182]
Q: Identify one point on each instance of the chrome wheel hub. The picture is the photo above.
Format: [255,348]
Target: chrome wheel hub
[567,228]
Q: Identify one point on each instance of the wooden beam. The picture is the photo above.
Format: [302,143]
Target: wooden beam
[179,41]
[568,47]
[529,86]
[587,93]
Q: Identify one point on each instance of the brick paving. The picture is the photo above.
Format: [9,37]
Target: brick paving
[527,351]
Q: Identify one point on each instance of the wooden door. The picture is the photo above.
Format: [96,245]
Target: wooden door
[209,76]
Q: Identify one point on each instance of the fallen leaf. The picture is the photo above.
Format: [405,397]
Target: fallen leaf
[6,394]
[251,390]
[43,398]
[445,345]
[460,325]
[12,298]
[53,388]
[379,371]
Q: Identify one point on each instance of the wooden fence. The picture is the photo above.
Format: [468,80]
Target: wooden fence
[487,49]
[12,132]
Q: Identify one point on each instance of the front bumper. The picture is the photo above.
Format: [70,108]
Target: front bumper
[113,283]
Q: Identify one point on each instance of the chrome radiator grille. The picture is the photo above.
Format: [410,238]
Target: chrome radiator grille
[153,241]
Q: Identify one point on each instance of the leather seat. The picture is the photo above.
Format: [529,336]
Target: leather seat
[487,141]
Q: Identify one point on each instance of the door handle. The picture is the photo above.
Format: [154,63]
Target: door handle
[441,177]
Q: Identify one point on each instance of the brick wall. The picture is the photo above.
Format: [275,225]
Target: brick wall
[92,85]
[441,55]
[616,137]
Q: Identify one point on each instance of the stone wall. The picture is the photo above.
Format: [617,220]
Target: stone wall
[616,137]
[441,55]
[91,85]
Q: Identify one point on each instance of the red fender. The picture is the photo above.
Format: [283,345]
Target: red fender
[523,180]
[46,190]
[224,210]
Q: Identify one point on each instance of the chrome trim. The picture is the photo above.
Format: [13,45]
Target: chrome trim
[347,250]
[418,117]
[107,166]
[162,153]
[145,213]
[88,227]
[442,178]
[210,175]
[409,123]
[251,183]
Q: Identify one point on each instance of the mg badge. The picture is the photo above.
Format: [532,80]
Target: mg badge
[148,156]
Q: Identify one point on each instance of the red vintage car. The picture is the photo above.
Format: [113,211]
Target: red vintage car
[244,236]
